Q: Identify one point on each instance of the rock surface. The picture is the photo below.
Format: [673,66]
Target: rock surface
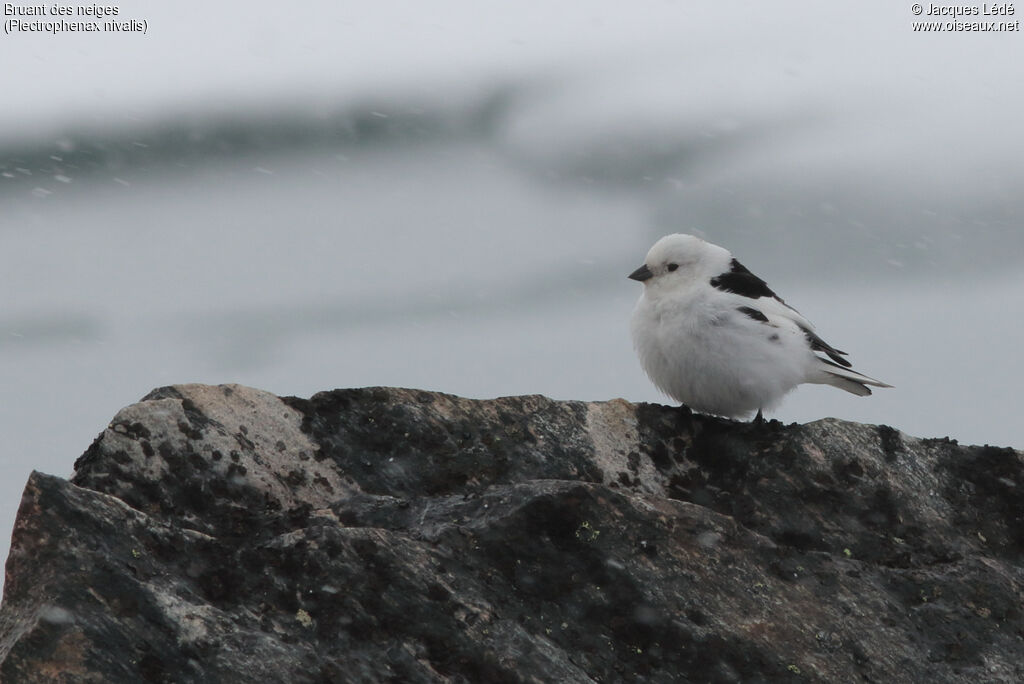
[222,534]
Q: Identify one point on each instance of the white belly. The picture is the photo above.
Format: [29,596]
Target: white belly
[729,364]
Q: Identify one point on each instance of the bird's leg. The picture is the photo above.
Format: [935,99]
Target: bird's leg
[759,418]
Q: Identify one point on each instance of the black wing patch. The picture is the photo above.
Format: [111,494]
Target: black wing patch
[753,313]
[742,282]
[818,344]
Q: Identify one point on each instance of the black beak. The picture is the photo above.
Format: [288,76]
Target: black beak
[641,274]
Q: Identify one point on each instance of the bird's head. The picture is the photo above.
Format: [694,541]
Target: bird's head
[678,260]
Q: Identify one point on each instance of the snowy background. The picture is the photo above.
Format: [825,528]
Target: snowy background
[450,195]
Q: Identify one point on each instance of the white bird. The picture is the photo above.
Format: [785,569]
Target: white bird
[712,335]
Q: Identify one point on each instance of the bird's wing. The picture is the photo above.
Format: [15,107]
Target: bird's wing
[773,313]
[741,282]
[755,299]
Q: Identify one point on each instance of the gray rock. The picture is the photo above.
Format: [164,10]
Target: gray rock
[222,534]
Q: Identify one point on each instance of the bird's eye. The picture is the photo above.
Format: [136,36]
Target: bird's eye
[673,267]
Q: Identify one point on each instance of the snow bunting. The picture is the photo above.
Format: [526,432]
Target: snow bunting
[712,335]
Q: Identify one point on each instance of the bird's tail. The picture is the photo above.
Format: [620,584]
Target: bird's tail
[846,379]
